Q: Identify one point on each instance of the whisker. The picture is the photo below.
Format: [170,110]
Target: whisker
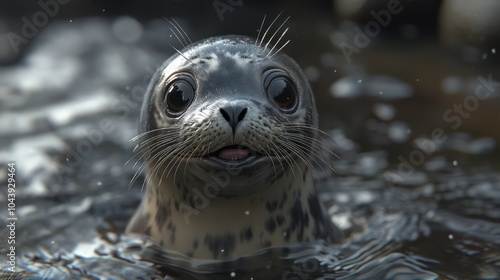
[184,44]
[274,34]
[315,149]
[299,153]
[284,45]
[157,146]
[173,161]
[183,31]
[180,53]
[286,157]
[258,34]
[165,152]
[279,39]
[306,140]
[260,29]
[144,149]
[178,162]
[176,36]
[146,133]
[272,162]
[308,128]
[178,156]
[268,28]
[268,154]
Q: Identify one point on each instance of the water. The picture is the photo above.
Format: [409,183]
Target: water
[411,205]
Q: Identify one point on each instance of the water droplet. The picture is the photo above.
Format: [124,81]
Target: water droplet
[99,183]
[451,84]
[328,60]
[247,212]
[52,242]
[384,111]
[451,237]
[430,214]
[380,93]
[222,251]
[360,81]
[347,87]
[312,73]
[417,80]
[397,132]
[127,29]
[485,55]
[103,10]
[493,50]
[233,274]
[70,20]
[455,163]
[335,71]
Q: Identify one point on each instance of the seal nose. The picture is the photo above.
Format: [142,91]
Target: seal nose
[233,115]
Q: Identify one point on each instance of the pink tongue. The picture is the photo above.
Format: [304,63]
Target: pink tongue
[233,153]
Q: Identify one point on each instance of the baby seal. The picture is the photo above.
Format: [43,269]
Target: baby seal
[228,134]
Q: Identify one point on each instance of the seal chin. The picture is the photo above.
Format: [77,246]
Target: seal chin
[234,156]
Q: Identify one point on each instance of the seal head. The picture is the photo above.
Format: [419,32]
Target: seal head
[228,133]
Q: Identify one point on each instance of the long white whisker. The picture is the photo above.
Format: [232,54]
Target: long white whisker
[181,54]
[182,31]
[258,34]
[268,28]
[274,34]
[279,39]
[284,45]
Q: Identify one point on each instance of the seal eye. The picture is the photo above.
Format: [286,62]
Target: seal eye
[281,90]
[179,95]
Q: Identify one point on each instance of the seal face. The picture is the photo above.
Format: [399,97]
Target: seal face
[228,132]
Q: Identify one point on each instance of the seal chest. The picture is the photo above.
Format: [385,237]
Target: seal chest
[228,133]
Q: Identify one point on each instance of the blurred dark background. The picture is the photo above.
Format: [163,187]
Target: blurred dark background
[457,22]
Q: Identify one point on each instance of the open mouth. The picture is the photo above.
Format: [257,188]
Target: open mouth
[234,154]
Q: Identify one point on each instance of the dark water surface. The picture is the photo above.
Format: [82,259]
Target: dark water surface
[416,194]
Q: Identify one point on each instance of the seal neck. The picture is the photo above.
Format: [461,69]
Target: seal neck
[218,192]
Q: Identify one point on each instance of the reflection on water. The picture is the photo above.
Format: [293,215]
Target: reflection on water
[411,207]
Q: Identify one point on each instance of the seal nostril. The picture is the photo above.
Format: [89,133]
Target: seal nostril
[242,114]
[225,115]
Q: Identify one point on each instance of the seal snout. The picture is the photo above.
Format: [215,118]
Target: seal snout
[234,115]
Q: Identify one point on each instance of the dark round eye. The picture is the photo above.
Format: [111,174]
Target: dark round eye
[281,90]
[180,93]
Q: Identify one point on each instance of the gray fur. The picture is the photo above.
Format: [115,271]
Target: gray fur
[205,209]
